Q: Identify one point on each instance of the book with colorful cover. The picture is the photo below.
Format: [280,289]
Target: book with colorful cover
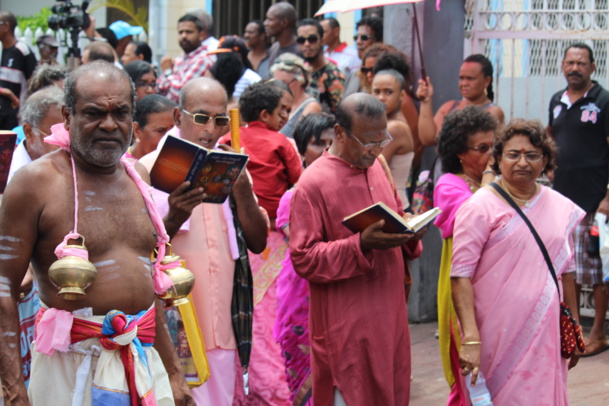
[180,160]
[8,139]
[394,223]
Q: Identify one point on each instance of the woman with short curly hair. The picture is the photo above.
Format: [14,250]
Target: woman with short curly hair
[464,150]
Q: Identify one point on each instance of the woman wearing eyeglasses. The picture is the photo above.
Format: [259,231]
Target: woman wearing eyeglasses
[476,88]
[504,293]
[143,75]
[464,148]
[291,70]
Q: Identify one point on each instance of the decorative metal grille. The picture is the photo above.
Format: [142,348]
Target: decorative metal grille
[525,40]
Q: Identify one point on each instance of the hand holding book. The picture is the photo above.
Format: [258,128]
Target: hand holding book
[373,237]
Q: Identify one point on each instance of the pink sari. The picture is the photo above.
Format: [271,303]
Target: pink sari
[515,298]
[292,322]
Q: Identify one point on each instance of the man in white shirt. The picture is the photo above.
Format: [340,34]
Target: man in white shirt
[39,112]
[341,54]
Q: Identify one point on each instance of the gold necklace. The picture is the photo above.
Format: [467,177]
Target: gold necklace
[473,185]
[516,198]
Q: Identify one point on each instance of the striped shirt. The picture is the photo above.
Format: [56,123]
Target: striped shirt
[186,67]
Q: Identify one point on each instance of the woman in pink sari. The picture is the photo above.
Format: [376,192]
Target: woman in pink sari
[313,134]
[503,291]
[464,147]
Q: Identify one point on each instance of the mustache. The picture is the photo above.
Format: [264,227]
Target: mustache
[575,74]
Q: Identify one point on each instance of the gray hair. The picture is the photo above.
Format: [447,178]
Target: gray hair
[69,86]
[37,106]
[293,64]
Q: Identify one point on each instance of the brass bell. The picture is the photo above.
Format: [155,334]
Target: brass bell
[72,274]
[182,278]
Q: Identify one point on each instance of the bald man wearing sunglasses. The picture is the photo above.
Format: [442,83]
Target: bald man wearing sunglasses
[206,237]
[327,81]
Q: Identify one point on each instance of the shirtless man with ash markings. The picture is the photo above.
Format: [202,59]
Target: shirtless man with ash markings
[36,214]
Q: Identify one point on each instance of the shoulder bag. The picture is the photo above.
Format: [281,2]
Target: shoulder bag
[571,334]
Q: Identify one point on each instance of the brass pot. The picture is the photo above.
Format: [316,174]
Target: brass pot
[182,278]
[72,275]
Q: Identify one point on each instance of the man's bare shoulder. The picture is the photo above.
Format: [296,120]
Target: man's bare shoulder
[38,176]
[143,172]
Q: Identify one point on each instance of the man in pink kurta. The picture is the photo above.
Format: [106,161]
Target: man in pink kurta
[360,342]
[203,235]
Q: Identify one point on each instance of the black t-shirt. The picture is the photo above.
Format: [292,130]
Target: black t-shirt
[581,134]
[18,64]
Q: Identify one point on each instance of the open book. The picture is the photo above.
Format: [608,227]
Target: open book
[180,160]
[394,223]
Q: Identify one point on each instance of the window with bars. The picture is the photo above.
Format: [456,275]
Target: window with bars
[231,16]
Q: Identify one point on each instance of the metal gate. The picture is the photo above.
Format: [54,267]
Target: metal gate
[525,40]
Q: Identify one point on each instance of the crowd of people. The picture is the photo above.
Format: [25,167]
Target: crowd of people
[329,129]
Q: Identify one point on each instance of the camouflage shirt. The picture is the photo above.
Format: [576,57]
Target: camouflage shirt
[327,85]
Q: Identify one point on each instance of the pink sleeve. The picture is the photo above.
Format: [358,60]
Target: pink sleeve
[448,196]
[316,259]
[472,231]
[283,211]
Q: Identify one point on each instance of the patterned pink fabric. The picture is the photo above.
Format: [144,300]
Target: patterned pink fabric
[292,321]
[186,67]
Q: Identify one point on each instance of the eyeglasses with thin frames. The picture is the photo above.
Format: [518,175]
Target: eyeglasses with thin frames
[482,148]
[515,156]
[221,120]
[371,145]
[146,84]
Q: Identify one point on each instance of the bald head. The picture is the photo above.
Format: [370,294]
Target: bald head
[202,115]
[364,105]
[210,88]
[285,10]
[98,51]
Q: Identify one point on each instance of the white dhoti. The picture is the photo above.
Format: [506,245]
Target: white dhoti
[85,373]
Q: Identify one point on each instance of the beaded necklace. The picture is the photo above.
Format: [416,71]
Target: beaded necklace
[473,185]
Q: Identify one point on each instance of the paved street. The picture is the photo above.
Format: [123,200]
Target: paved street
[588,382]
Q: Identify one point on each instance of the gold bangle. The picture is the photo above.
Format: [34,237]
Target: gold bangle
[471,343]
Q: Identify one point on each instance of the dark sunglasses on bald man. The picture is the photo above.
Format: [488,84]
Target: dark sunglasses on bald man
[220,120]
[311,38]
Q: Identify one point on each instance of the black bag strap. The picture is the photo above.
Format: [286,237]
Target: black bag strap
[542,247]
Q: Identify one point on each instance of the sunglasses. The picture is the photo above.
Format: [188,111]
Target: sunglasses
[311,38]
[364,70]
[220,120]
[363,37]
[482,148]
